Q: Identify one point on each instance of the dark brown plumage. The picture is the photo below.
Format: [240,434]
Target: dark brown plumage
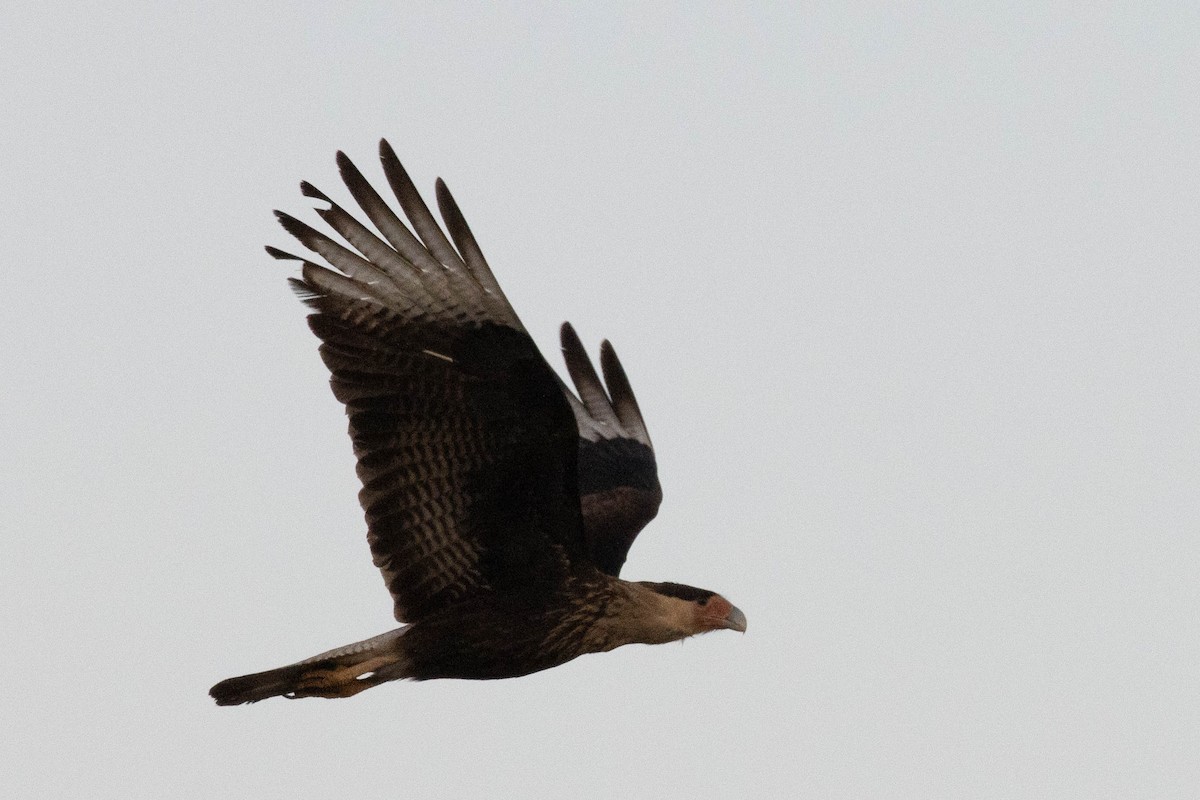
[500,506]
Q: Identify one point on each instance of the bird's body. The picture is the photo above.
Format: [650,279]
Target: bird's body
[500,506]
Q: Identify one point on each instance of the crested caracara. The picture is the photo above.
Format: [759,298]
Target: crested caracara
[500,505]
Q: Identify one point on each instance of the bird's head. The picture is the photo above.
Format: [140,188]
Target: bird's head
[692,611]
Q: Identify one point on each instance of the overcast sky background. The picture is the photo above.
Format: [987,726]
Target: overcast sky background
[909,297]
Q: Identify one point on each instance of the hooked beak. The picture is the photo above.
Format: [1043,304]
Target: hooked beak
[735,620]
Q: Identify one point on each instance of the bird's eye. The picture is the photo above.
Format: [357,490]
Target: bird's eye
[703,602]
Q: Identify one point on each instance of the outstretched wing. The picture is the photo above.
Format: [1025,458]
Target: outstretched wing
[618,479]
[466,445]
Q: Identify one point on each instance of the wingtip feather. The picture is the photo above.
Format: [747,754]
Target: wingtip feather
[569,341]
[345,165]
[303,232]
[619,389]
[308,190]
[449,209]
[282,255]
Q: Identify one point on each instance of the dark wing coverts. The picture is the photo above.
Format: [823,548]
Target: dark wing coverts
[466,444]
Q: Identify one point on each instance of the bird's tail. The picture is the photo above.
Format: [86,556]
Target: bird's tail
[339,673]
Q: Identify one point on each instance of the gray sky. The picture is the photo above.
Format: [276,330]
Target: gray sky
[909,297]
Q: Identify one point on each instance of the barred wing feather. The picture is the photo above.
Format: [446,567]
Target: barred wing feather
[467,448]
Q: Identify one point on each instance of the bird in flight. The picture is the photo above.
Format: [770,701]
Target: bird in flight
[500,504]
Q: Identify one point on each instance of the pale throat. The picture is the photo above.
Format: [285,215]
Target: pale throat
[639,615]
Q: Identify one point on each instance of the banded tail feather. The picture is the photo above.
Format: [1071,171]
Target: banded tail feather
[342,672]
